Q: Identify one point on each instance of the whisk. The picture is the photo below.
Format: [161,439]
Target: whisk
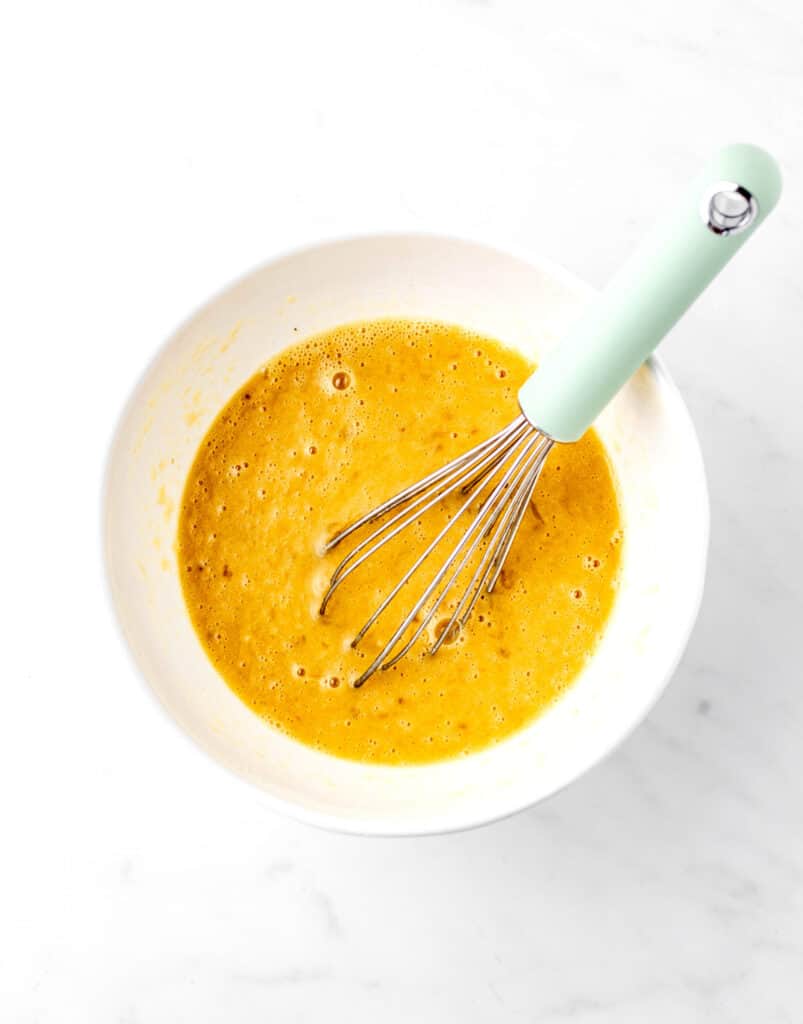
[495,480]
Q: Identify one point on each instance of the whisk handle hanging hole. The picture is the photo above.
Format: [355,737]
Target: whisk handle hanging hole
[727,202]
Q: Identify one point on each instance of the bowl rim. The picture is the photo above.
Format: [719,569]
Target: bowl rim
[445,825]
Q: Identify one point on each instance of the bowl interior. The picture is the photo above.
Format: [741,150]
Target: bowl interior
[648,435]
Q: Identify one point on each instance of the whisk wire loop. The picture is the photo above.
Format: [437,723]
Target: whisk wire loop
[507,466]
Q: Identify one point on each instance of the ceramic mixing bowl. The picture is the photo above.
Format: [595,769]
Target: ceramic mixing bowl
[526,304]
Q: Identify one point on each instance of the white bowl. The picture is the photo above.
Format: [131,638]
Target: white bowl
[646,430]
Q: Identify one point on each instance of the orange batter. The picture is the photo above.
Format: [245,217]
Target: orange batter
[327,430]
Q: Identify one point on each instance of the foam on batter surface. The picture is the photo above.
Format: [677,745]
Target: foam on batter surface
[328,429]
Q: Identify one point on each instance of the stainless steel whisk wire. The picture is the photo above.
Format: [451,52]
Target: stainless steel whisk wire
[511,461]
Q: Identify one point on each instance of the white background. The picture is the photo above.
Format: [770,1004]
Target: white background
[151,153]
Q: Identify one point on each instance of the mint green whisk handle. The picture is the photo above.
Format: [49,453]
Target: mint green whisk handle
[725,205]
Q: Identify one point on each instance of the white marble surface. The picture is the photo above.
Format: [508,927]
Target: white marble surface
[154,151]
